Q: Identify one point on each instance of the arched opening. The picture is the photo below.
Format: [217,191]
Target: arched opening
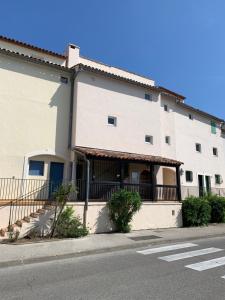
[169,176]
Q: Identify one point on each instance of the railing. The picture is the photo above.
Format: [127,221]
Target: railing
[195,191]
[12,189]
[26,205]
[166,193]
[144,189]
[103,190]
[34,201]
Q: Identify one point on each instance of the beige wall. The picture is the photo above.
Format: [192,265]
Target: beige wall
[116,71]
[32,52]
[151,216]
[98,98]
[34,114]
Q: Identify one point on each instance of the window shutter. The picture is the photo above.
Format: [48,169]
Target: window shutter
[213,127]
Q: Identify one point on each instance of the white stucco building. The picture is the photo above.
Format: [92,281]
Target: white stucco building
[60,110]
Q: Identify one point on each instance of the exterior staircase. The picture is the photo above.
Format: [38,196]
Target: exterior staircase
[26,211]
[38,221]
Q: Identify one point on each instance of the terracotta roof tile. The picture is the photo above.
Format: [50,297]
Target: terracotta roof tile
[93,152]
[19,43]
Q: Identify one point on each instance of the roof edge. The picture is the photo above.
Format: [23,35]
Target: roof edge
[34,60]
[29,46]
[85,67]
[187,106]
[89,151]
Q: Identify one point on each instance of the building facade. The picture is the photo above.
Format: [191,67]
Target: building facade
[67,117]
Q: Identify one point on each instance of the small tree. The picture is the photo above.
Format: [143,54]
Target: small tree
[61,197]
[122,207]
[69,226]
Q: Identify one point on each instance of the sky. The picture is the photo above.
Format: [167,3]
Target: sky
[178,43]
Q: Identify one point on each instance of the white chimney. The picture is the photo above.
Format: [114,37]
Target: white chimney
[73,54]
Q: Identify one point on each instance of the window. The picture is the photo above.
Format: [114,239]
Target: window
[149,139]
[166,108]
[148,97]
[198,147]
[167,139]
[213,127]
[112,120]
[215,151]
[190,116]
[218,179]
[64,79]
[36,168]
[189,176]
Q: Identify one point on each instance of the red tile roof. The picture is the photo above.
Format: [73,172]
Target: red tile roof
[93,152]
[105,73]
[22,44]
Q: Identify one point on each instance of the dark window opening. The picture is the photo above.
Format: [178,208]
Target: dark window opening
[36,168]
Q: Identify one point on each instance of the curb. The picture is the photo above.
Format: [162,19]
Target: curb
[28,261]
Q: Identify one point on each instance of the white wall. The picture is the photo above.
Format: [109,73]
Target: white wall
[198,130]
[33,53]
[98,98]
[150,216]
[34,113]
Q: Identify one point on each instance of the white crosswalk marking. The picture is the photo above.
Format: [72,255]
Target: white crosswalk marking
[208,264]
[183,255]
[166,248]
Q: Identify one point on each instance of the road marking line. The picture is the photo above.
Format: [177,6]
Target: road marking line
[183,255]
[223,277]
[208,264]
[166,248]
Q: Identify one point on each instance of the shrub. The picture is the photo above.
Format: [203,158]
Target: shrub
[69,226]
[122,207]
[196,212]
[217,204]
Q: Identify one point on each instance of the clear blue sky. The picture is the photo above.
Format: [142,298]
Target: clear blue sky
[179,43]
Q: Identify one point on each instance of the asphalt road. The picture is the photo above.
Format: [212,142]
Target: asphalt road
[124,275]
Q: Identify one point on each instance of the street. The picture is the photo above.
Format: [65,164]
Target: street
[169,271]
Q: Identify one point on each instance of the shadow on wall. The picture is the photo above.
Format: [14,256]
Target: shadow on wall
[179,219]
[49,104]
[103,223]
[117,86]
[40,226]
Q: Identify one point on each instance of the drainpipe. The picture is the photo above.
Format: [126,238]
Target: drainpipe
[73,78]
[87,186]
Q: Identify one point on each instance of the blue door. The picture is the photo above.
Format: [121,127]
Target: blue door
[55,177]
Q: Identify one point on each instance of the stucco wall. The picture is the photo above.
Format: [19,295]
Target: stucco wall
[99,97]
[32,52]
[34,113]
[151,216]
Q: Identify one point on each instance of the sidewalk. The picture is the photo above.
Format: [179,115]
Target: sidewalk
[17,254]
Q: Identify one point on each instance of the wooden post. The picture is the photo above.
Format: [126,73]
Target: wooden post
[121,174]
[178,183]
[153,182]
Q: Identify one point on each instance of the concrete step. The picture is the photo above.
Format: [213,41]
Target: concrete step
[34,215]
[19,223]
[41,211]
[26,219]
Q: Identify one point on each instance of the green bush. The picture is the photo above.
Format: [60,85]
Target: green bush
[196,212]
[69,226]
[122,207]
[217,204]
